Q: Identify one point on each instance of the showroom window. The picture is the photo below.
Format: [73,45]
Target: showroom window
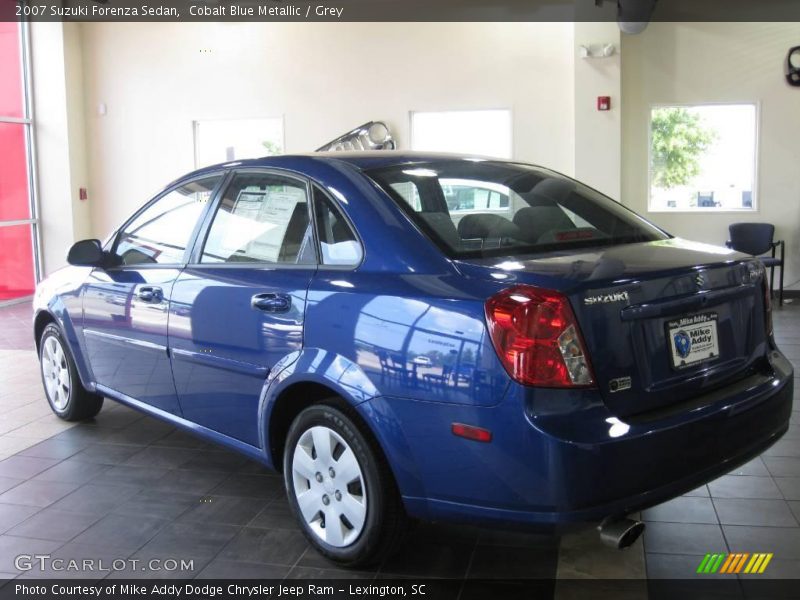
[703,157]
[19,269]
[225,140]
[480,132]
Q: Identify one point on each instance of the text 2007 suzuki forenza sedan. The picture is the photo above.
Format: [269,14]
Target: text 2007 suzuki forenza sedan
[433,336]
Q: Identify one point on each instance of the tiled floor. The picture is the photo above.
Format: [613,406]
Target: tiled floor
[128,486]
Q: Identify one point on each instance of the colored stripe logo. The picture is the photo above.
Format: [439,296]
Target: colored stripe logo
[739,562]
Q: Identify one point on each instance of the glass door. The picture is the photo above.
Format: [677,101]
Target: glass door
[19,264]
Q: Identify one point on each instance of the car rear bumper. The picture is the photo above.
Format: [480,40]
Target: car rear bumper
[556,467]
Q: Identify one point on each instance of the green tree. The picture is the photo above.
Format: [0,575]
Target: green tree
[271,147]
[678,138]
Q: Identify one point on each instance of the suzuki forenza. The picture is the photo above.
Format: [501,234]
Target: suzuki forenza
[433,336]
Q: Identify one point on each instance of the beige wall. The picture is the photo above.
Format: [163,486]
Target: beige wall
[322,78]
[717,62]
[599,133]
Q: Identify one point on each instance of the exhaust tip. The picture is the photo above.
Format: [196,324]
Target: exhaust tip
[620,533]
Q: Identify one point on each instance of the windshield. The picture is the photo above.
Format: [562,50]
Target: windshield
[484,208]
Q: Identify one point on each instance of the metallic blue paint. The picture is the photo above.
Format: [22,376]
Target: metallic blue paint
[402,339]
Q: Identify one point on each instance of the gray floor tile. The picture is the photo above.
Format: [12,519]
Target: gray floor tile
[754,467]
[789,486]
[184,539]
[795,507]
[106,454]
[745,486]
[683,538]
[228,510]
[6,483]
[683,510]
[95,499]
[71,471]
[275,516]
[785,448]
[276,546]
[228,569]
[53,524]
[251,486]
[23,467]
[119,532]
[155,503]
[129,475]
[12,515]
[53,449]
[37,493]
[155,456]
[782,466]
[783,542]
[190,482]
[765,513]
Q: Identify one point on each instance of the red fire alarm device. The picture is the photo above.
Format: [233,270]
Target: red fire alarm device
[83,194]
[604,103]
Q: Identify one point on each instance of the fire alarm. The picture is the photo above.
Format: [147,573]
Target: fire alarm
[604,103]
[83,194]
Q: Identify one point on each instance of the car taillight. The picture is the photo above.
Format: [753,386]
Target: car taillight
[537,338]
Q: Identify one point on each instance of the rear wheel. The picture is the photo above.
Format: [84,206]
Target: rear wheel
[340,488]
[66,395]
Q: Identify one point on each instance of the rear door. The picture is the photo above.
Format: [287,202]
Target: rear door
[126,304]
[238,307]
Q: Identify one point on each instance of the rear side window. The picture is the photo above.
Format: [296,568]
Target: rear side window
[488,208]
[337,240]
[262,218]
[159,234]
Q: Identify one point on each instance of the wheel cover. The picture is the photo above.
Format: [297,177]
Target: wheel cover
[55,373]
[329,486]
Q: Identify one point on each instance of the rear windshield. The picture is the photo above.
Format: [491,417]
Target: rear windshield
[483,208]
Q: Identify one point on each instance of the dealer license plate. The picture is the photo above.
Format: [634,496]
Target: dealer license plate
[693,339]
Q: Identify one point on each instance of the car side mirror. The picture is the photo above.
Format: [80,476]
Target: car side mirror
[86,253]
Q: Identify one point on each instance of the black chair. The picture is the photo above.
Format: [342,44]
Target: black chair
[756,239]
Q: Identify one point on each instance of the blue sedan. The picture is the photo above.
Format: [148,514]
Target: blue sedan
[535,355]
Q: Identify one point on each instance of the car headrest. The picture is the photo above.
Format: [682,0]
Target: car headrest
[486,226]
[550,192]
[535,221]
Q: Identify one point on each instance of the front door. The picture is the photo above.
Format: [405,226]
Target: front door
[126,304]
[238,308]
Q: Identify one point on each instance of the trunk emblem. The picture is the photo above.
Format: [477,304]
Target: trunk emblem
[606,298]
[619,384]
[700,280]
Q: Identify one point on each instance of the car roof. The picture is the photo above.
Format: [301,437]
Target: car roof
[364,160]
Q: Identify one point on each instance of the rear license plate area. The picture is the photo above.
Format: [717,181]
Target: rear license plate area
[693,340]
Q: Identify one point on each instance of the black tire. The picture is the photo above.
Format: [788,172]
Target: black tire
[72,402]
[385,519]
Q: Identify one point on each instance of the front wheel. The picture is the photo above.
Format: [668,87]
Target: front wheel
[340,488]
[67,397]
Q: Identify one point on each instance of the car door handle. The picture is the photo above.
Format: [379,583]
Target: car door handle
[271,302]
[150,294]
